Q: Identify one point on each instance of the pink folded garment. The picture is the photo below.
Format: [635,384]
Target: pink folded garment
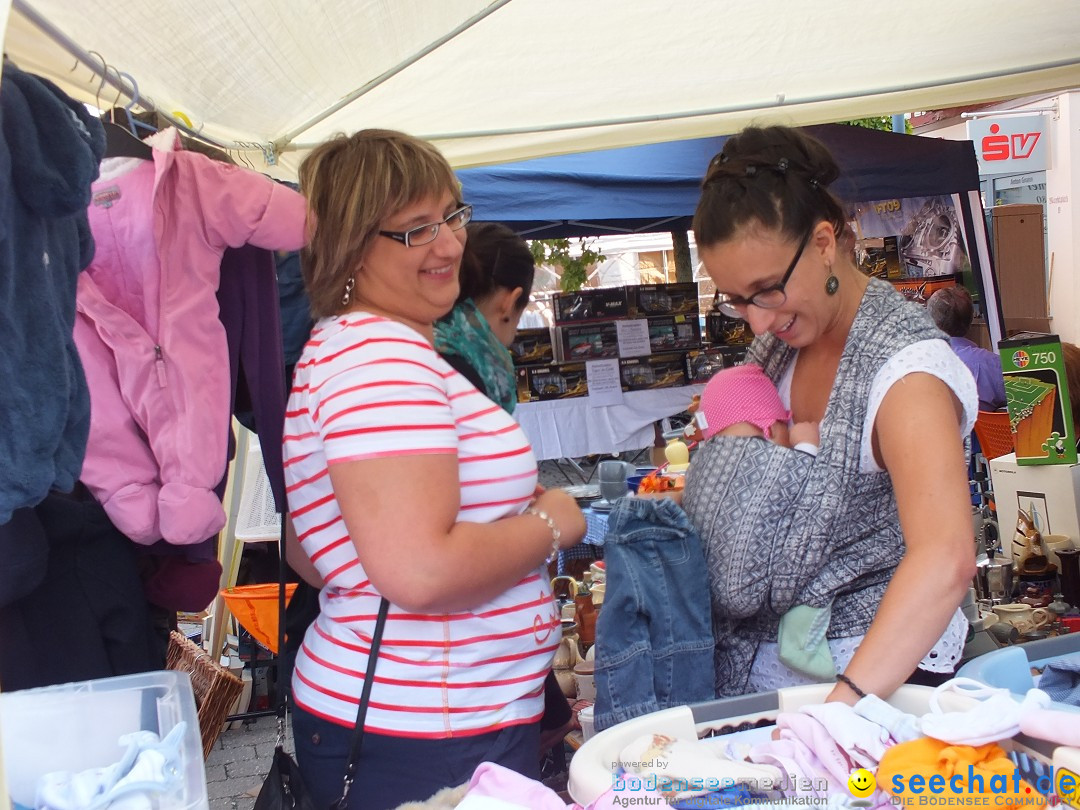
[802,769]
[494,787]
[816,737]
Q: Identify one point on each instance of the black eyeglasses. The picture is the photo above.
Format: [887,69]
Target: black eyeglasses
[769,298]
[425,234]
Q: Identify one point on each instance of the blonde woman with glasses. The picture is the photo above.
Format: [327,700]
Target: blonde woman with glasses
[406,482]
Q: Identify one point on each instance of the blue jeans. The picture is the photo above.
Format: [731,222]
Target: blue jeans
[394,770]
[654,638]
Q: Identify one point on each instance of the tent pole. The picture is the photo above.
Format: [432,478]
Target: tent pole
[73,48]
[286,139]
[982,267]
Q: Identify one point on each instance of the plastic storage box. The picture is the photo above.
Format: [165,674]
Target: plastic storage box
[77,726]
[1010,667]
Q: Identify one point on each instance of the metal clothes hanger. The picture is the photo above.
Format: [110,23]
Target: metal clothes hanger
[104,74]
[133,122]
[243,158]
[119,141]
[119,92]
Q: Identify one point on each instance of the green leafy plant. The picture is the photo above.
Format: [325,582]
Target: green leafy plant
[882,123]
[575,268]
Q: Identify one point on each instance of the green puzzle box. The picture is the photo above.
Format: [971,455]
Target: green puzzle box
[1037,395]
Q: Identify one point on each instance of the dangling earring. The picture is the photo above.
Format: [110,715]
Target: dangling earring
[832,283]
[348,291]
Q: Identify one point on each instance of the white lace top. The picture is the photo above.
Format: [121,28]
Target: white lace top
[931,357]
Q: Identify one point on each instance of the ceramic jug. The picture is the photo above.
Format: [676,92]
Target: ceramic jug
[1023,617]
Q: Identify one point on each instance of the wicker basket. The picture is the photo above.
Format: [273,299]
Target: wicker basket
[216,689]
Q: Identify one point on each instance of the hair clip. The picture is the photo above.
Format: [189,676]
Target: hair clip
[751,170]
[814,183]
[782,165]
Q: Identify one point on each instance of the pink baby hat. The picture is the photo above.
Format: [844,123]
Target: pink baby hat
[740,394]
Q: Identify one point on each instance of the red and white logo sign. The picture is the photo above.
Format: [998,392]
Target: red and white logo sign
[1009,145]
[998,146]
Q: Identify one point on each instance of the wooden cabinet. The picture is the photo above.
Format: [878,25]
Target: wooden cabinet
[1020,263]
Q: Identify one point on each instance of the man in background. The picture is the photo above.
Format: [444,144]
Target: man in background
[952,310]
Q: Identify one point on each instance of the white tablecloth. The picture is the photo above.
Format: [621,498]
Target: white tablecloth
[570,428]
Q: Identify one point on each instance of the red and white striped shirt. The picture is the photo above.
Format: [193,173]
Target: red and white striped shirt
[368,387]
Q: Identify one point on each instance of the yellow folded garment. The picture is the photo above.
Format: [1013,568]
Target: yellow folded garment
[930,772]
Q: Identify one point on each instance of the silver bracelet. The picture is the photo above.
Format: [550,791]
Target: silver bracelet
[555,533]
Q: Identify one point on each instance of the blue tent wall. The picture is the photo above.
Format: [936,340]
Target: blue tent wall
[642,189]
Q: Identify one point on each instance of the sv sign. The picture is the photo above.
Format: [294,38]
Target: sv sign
[1008,145]
[1018,145]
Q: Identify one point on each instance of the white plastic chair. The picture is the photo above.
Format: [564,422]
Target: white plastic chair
[257,520]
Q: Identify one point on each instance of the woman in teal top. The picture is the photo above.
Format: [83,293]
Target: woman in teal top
[496,281]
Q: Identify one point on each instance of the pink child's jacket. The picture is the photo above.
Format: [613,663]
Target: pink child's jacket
[149,337]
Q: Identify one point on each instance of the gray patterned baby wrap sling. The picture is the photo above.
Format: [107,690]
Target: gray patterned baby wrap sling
[782,528]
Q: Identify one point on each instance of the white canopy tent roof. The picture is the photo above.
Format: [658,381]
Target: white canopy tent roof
[513,79]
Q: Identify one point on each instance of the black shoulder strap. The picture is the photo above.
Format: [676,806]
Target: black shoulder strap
[369,676]
[361,712]
[282,691]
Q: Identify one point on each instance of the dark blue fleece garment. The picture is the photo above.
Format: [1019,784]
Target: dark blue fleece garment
[50,149]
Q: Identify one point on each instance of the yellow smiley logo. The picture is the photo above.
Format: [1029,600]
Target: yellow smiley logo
[861,783]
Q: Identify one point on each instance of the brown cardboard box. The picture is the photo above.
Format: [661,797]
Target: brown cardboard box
[654,371]
[532,347]
[556,381]
[1020,266]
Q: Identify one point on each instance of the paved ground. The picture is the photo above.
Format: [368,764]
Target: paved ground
[239,762]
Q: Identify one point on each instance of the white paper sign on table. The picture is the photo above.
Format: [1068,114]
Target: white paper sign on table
[633,337]
[605,387]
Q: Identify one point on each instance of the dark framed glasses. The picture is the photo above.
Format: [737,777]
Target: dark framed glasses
[768,298]
[425,234]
